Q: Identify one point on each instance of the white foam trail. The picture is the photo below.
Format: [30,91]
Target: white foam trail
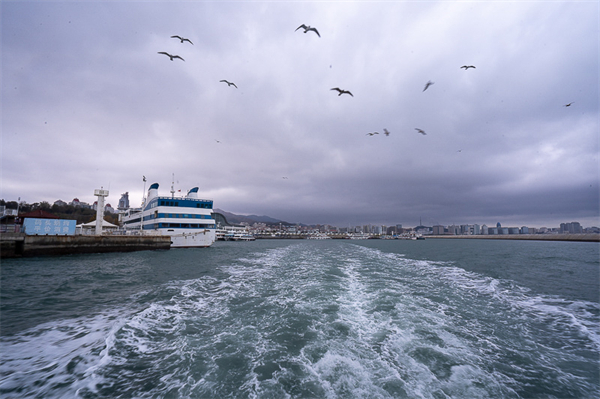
[346,321]
[62,355]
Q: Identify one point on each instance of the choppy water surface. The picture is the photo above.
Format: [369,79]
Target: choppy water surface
[325,319]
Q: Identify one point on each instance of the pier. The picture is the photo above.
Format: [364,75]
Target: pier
[16,245]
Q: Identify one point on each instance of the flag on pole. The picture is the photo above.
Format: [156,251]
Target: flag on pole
[144,178]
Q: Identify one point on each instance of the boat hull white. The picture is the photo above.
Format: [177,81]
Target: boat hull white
[192,239]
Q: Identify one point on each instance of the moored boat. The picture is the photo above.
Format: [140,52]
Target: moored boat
[187,220]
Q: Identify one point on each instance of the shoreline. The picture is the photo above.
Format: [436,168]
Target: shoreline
[535,237]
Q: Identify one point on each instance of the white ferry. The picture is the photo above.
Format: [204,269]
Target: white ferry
[234,235]
[188,220]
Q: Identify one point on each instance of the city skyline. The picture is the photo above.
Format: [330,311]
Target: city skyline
[113,209]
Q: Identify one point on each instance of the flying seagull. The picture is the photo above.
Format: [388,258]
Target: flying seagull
[467,67]
[171,56]
[427,85]
[229,83]
[183,39]
[569,104]
[371,134]
[385,131]
[421,131]
[342,91]
[307,28]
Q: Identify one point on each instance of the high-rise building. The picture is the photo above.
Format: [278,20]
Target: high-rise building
[124,202]
[570,228]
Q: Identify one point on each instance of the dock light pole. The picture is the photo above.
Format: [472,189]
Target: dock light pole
[101,194]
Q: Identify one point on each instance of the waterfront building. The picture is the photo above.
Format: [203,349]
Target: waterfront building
[570,228]
[438,230]
[454,230]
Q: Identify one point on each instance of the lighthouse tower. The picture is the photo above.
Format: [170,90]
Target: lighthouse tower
[101,194]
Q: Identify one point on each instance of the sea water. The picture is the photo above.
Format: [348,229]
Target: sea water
[302,318]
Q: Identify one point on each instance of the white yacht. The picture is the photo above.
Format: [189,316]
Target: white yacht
[188,220]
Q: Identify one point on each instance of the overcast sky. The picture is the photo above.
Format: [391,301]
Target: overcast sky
[87,102]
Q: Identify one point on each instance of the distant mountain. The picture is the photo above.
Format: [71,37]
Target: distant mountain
[237,219]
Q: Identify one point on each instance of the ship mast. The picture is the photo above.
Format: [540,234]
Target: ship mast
[144,192]
[173,186]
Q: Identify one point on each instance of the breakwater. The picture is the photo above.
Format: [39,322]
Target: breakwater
[536,237]
[21,245]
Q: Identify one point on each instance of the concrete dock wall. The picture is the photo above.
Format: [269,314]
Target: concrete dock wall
[18,245]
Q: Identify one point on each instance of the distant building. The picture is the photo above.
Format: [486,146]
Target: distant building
[124,202]
[76,202]
[570,228]
[524,230]
[438,230]
[454,230]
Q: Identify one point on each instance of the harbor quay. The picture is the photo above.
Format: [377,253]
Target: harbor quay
[16,245]
[531,237]
[536,237]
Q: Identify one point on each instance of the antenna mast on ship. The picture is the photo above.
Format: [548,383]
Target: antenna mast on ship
[144,192]
[173,186]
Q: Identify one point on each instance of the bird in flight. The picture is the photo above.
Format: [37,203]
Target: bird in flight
[427,85]
[385,131]
[171,56]
[307,28]
[569,104]
[467,67]
[342,91]
[229,83]
[372,134]
[183,39]
[421,131]
[217,141]
[284,177]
